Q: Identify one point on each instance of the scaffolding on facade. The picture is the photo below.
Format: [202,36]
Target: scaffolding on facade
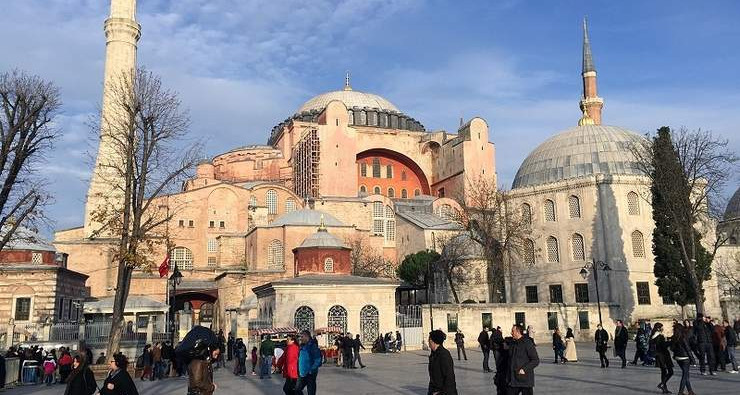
[306,157]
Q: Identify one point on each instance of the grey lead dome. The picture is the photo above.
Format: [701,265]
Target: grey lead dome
[350,98]
[580,151]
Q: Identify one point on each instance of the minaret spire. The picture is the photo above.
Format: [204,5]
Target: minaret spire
[122,34]
[347,86]
[591,104]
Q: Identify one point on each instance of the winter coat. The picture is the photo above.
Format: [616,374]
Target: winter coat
[602,340]
[620,338]
[309,358]
[557,342]
[50,366]
[121,382]
[718,337]
[731,337]
[441,372]
[81,382]
[484,341]
[662,354]
[156,355]
[641,341]
[267,348]
[497,340]
[459,338]
[200,378]
[681,350]
[522,355]
[702,332]
[288,362]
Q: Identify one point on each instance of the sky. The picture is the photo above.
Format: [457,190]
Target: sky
[241,67]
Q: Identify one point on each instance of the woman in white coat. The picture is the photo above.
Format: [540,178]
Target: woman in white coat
[571,355]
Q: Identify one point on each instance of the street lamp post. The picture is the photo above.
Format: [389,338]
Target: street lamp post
[176,279]
[596,266]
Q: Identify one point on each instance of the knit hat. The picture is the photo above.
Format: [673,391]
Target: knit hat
[437,336]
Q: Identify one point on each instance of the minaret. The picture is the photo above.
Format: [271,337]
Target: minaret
[122,33]
[591,103]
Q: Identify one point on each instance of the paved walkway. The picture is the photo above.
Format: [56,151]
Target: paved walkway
[406,373]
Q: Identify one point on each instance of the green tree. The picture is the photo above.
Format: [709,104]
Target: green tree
[415,267]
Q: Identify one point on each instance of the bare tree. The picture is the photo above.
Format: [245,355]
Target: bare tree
[492,221]
[366,261]
[728,274]
[457,261]
[28,106]
[147,159]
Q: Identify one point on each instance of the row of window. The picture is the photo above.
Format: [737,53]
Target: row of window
[391,192]
[377,170]
[581,293]
[578,248]
[574,208]
[304,318]
[381,119]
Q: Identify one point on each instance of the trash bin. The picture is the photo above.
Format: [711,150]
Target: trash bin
[29,373]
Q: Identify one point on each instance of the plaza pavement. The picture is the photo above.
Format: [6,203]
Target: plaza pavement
[406,373]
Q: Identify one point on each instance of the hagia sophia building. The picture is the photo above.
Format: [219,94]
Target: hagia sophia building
[273,225]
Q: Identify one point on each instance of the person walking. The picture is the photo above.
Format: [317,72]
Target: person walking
[719,345]
[230,347]
[220,362]
[641,343]
[731,341]
[267,350]
[118,381]
[81,380]
[348,345]
[662,356]
[441,367]
[558,346]
[309,361]
[157,362]
[682,354]
[145,360]
[460,343]
[356,346]
[240,352]
[497,343]
[399,341]
[200,372]
[288,364]
[65,366]
[704,344]
[602,344]
[523,359]
[620,342]
[571,354]
[253,358]
[484,341]
[50,367]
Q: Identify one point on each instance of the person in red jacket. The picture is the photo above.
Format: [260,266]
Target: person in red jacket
[288,363]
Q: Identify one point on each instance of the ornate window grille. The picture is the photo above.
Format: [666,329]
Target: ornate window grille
[529,252]
[275,255]
[183,258]
[574,207]
[549,210]
[369,324]
[304,318]
[633,204]
[638,245]
[553,255]
[527,214]
[272,202]
[579,253]
[329,265]
[337,317]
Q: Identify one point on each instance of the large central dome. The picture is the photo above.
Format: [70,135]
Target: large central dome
[580,151]
[350,98]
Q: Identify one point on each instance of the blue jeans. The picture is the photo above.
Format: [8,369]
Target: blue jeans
[731,357]
[684,364]
[265,366]
[309,382]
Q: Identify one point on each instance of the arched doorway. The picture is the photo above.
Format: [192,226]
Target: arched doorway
[369,324]
[338,317]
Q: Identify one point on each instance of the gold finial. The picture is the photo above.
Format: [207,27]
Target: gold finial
[585,119]
[347,87]
[322,225]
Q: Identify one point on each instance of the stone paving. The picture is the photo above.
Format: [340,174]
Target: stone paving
[406,373]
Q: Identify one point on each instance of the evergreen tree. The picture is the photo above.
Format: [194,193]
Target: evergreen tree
[415,267]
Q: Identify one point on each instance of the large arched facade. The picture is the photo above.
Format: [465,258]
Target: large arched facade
[386,171]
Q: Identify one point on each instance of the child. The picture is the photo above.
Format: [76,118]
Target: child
[50,366]
[254,360]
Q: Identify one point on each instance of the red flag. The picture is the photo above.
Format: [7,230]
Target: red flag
[164,268]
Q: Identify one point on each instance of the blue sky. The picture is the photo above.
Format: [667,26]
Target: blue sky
[243,66]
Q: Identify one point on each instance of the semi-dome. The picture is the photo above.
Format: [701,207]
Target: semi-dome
[307,217]
[733,207]
[350,98]
[580,151]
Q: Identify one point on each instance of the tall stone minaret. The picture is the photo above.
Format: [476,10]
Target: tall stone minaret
[591,103]
[122,33]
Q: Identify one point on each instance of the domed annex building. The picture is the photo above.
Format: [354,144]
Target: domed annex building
[726,265]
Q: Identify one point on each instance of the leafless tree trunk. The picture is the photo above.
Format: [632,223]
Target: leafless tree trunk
[28,106]
[145,130]
[455,262]
[728,275]
[366,262]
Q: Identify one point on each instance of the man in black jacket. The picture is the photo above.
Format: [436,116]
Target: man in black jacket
[731,337]
[523,359]
[620,342]
[602,344]
[356,345]
[703,335]
[441,369]
[497,343]
[485,346]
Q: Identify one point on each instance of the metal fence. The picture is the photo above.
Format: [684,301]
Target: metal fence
[408,322]
[27,332]
[64,331]
[12,370]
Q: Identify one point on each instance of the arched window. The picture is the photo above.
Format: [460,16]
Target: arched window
[376,168]
[369,324]
[574,206]
[337,317]
[633,204]
[388,171]
[579,253]
[553,254]
[390,224]
[275,255]
[363,169]
[351,116]
[391,192]
[289,205]
[182,258]
[638,245]
[304,319]
[206,312]
[403,175]
[417,192]
[404,194]
[378,218]
[363,189]
[272,202]
[253,201]
[529,252]
[376,190]
[549,210]
[526,214]
[329,265]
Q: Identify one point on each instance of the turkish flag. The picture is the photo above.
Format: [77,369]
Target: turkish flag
[164,268]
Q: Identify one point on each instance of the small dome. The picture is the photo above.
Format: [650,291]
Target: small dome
[580,151]
[306,217]
[733,207]
[25,239]
[350,98]
[322,239]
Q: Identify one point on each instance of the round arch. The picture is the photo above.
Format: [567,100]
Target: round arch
[401,158]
